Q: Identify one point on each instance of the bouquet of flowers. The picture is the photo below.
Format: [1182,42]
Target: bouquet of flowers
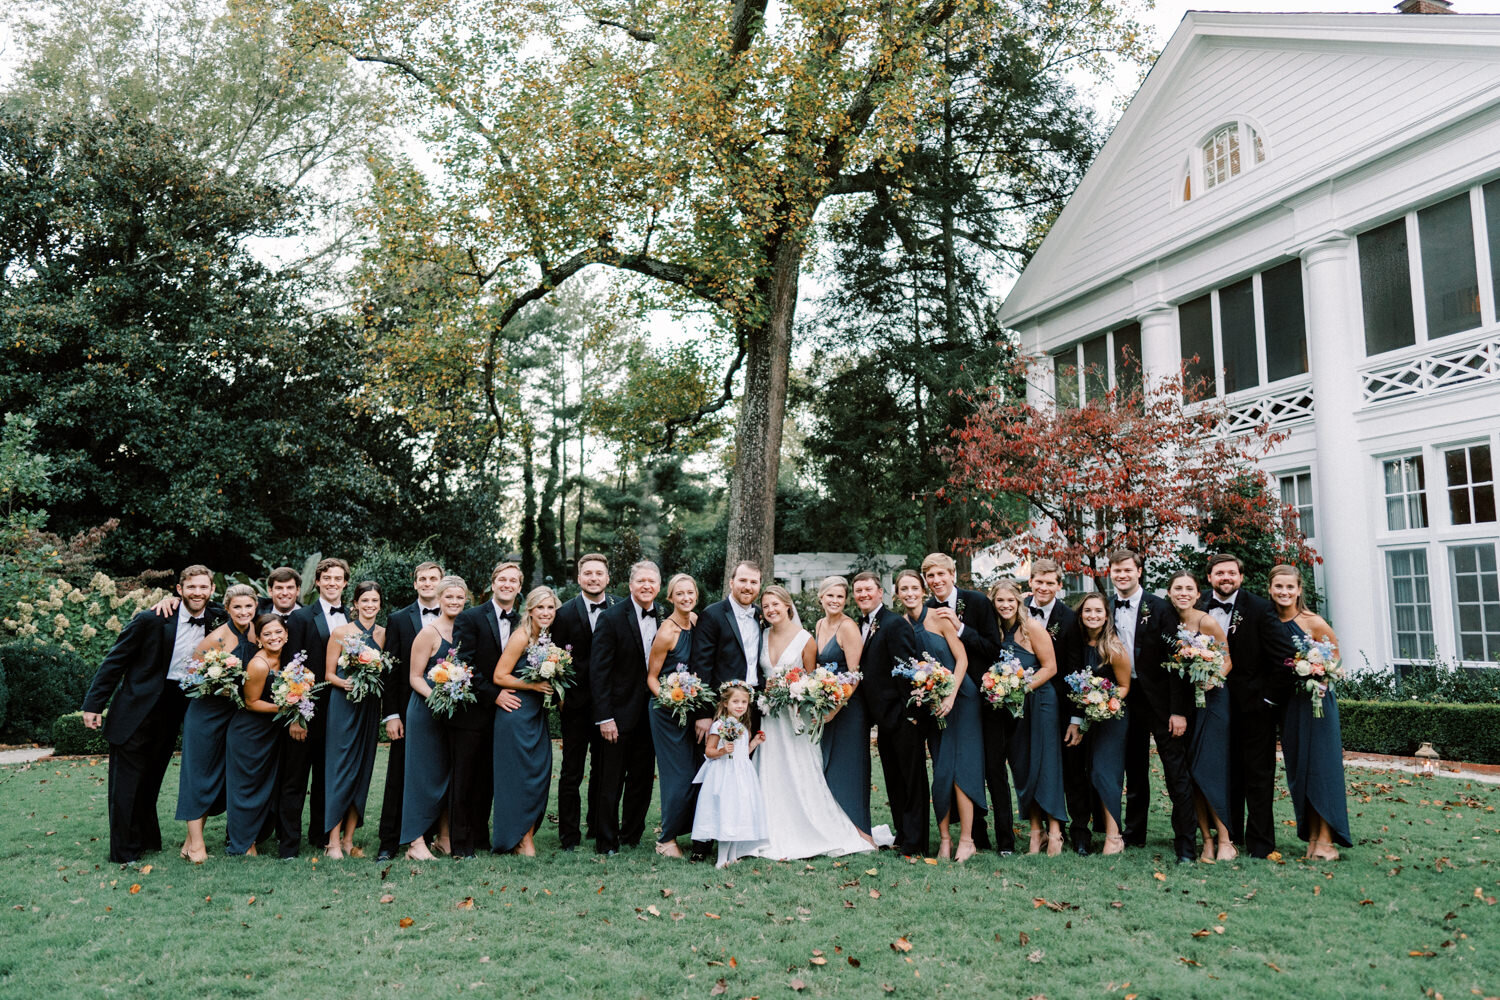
[452,684]
[1317,665]
[1005,684]
[931,682]
[818,692]
[1199,658]
[292,692]
[365,667]
[682,692]
[546,662]
[1095,697]
[730,731]
[219,672]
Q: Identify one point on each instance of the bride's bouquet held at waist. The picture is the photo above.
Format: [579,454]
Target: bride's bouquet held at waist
[219,672]
[808,697]
[551,664]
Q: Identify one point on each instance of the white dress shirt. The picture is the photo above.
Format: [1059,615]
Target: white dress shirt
[648,628]
[744,618]
[1220,615]
[1125,615]
[334,619]
[188,637]
[503,622]
[593,612]
[952,605]
[1046,610]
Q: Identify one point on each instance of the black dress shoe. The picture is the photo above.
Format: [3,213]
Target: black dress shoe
[385,855]
[1185,858]
[607,854]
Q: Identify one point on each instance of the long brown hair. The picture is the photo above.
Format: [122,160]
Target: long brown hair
[1022,639]
[1287,569]
[1111,647]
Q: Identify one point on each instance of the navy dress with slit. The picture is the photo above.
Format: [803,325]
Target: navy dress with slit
[678,754]
[250,772]
[349,755]
[424,794]
[846,746]
[959,759]
[1106,747]
[1313,752]
[200,787]
[1036,748]
[522,758]
[1208,751]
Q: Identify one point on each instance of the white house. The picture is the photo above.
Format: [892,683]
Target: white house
[1310,203]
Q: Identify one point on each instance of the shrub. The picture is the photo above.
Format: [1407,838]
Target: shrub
[1468,733]
[44,682]
[85,620]
[1429,683]
[71,738]
[392,569]
[4,697]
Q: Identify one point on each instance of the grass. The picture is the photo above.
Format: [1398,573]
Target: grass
[1423,878]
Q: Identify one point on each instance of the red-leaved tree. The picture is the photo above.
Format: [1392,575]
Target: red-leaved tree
[1138,469]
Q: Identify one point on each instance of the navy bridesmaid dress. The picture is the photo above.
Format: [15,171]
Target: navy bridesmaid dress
[1313,752]
[250,772]
[959,759]
[523,771]
[200,786]
[1107,748]
[846,746]
[1208,751]
[677,753]
[424,794]
[1036,748]
[349,754]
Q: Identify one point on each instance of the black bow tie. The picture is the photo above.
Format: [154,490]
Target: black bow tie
[1214,604]
[597,607]
[339,610]
[1122,602]
[282,616]
[648,613]
[511,616]
[1037,612]
[429,611]
[200,622]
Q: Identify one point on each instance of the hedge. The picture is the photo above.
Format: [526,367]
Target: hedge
[42,682]
[71,738]
[1469,733]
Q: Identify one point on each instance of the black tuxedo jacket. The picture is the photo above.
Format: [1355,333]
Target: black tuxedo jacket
[981,636]
[570,629]
[476,633]
[401,629]
[1165,692]
[264,606]
[134,671]
[718,653]
[1259,647]
[1067,647]
[890,643]
[307,632]
[617,668]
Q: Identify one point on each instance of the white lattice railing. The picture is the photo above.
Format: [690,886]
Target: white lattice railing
[1289,405]
[1434,372]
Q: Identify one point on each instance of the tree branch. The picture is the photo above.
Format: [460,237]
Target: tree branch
[639,34]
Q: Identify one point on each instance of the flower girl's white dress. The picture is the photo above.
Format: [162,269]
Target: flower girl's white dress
[730,807]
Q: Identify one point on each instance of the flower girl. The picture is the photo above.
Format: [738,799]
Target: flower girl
[730,807]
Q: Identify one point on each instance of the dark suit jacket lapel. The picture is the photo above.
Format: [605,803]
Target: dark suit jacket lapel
[416,619]
[322,621]
[493,620]
[168,636]
[734,626]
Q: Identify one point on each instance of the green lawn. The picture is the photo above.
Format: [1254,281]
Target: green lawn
[1423,878]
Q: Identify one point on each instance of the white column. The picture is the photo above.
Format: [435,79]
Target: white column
[1161,352]
[1335,345]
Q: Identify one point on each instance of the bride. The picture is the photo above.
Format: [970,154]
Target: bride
[802,818]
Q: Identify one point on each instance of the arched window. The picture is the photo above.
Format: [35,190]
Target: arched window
[1221,156]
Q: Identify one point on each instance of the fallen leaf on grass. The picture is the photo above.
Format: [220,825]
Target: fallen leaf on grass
[1038,901]
[145,869]
[467,903]
[653,911]
[901,945]
[733,963]
[871,871]
[797,985]
[667,893]
[1218,928]
[720,987]
[853,962]
[930,861]
[1025,939]
[1036,956]
[1422,954]
[1205,932]
[1367,902]
[1158,876]
[1273,966]
[137,888]
[406,922]
[711,916]
[387,898]
[250,901]
[874,893]
[1189,961]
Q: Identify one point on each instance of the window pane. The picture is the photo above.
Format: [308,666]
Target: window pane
[1286,323]
[1484,504]
[1450,281]
[1411,618]
[1237,335]
[1457,466]
[1095,369]
[1492,226]
[1128,358]
[1196,321]
[1385,289]
[1065,378]
[1479,464]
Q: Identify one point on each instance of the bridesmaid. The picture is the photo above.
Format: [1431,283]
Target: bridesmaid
[678,754]
[1311,748]
[1208,747]
[1104,655]
[200,789]
[1035,749]
[424,795]
[523,743]
[958,761]
[846,736]
[250,745]
[352,733]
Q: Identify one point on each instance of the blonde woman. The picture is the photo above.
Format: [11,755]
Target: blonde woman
[678,752]
[1104,655]
[1036,747]
[846,737]
[523,745]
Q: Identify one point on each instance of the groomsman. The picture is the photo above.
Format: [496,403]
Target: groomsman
[1061,623]
[284,585]
[972,613]
[574,628]
[308,629]
[142,673]
[888,642]
[1258,687]
[624,765]
[1158,704]
[480,634]
[401,630]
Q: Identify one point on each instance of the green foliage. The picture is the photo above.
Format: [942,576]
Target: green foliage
[71,738]
[83,620]
[1433,683]
[1468,733]
[24,478]
[44,682]
[392,569]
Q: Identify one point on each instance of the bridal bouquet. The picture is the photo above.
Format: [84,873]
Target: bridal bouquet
[931,682]
[452,684]
[681,693]
[549,663]
[292,692]
[1005,684]
[1200,658]
[1317,665]
[364,666]
[1095,697]
[219,672]
[818,692]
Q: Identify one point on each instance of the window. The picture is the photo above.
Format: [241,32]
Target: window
[1405,494]
[1195,321]
[1285,320]
[1237,336]
[1083,373]
[1221,156]
[1471,484]
[1476,601]
[1385,288]
[1128,358]
[1096,369]
[1411,604]
[1065,378]
[1492,227]
[1230,330]
[1450,280]
[1296,492]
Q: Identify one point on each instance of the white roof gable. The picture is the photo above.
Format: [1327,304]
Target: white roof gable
[1328,92]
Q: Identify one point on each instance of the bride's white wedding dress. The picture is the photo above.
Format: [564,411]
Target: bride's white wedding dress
[802,818]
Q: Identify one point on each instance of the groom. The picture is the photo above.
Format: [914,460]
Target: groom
[890,642]
[726,640]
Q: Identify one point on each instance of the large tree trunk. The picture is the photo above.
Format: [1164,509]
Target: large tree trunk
[528,511]
[546,516]
[757,438]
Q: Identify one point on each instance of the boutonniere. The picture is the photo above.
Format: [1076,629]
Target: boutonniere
[1145,614]
[1234,621]
[1054,629]
[961,607]
[874,624]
